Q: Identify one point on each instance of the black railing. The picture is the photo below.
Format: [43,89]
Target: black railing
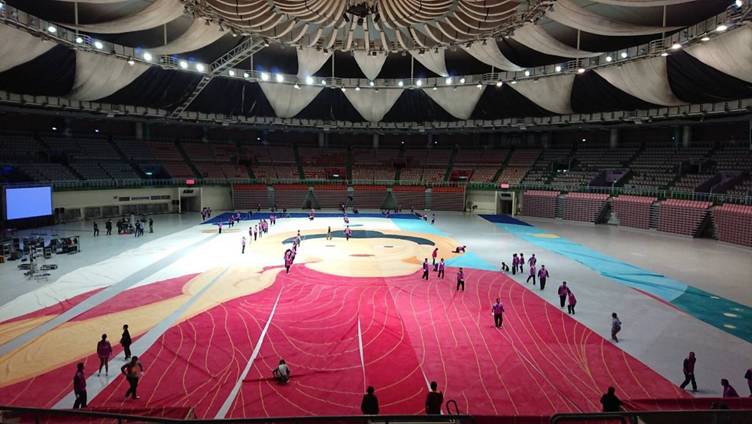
[710,416]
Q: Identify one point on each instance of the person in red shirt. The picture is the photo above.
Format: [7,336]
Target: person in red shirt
[689,371]
[434,400]
[104,351]
[441,268]
[498,313]
[461,279]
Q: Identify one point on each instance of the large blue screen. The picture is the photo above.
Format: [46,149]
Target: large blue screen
[28,202]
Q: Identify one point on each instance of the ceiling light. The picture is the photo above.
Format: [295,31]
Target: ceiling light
[131,61]
[623,55]
[514,82]
[200,67]
[400,83]
[705,38]
[357,88]
[676,46]
[664,54]
[53,128]
[609,58]
[721,28]
[434,88]
[231,73]
[246,75]
[147,56]
[98,44]
[309,80]
[448,80]
[183,64]
[580,70]
[499,83]
[527,73]
[419,82]
[370,83]
[344,89]
[96,130]
[479,85]
[79,40]
[558,68]
[323,82]
[739,3]
[462,80]
[264,76]
[280,78]
[51,29]
[296,86]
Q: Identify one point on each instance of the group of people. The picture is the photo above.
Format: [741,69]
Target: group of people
[131,225]
[440,268]
[206,213]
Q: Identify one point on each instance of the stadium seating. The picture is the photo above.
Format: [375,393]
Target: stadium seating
[410,197]
[290,195]
[249,196]
[682,216]
[434,175]
[47,172]
[733,158]
[633,211]
[209,170]
[135,150]
[447,198]
[571,180]
[540,203]
[369,196]
[478,157]
[330,195]
[543,167]
[584,207]
[524,157]
[742,189]
[19,147]
[90,170]
[373,173]
[733,223]
[374,157]
[178,169]
[512,175]
[322,157]
[690,182]
[483,174]
[414,175]
[119,170]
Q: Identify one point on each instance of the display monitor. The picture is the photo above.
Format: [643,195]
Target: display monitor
[28,202]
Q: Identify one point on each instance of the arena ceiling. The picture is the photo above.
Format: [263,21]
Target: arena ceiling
[430,60]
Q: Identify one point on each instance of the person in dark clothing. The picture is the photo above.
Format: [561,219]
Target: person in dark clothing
[79,387]
[125,341]
[132,372]
[151,225]
[434,400]
[610,402]
[689,371]
[425,269]
[96,229]
[370,403]
[108,227]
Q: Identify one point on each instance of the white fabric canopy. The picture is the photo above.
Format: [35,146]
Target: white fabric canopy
[286,100]
[371,104]
[432,60]
[550,93]
[642,3]
[488,52]
[567,12]
[369,64]
[98,75]
[646,79]
[157,13]
[730,53]
[310,60]
[538,39]
[458,101]
[19,47]
[197,36]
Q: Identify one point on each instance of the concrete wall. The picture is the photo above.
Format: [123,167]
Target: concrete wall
[216,197]
[98,198]
[484,199]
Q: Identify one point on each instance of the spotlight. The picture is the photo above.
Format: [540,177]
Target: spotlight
[623,55]
[419,82]
[297,87]
[558,68]
[131,61]
[51,29]
[664,54]
[53,128]
[279,77]
[264,76]
[400,83]
[344,89]
[79,40]
[309,80]
[434,88]
[200,67]
[609,58]
[448,80]
[183,64]
[479,85]
[738,3]
[357,88]
[705,38]
[96,130]
[499,83]
[584,140]
[721,28]
[246,75]
[462,80]
[98,44]
[370,83]
[147,56]
[513,82]
[2,5]
[231,73]
[676,46]
[527,73]
[580,70]
[323,82]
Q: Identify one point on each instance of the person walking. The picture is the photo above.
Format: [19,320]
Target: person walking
[504,267]
[425,269]
[461,279]
[515,263]
[125,341]
[329,233]
[542,276]
[370,403]
[531,274]
[615,327]
[572,302]
[522,262]
[96,229]
[79,387]
[498,310]
[151,225]
[610,402]
[133,371]
[728,389]
[563,290]
[441,268]
[242,243]
[533,260]
[108,227]
[434,400]
[104,350]
[434,254]
[688,367]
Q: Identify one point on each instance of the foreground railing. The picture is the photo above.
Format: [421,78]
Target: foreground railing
[712,416]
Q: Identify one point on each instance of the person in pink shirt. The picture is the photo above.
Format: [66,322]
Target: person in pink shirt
[542,276]
[563,290]
[728,389]
[434,254]
[498,310]
[522,262]
[348,233]
[572,302]
[748,376]
[531,275]
[288,260]
[425,270]
[532,261]
[441,268]
[104,351]
[515,263]
[461,279]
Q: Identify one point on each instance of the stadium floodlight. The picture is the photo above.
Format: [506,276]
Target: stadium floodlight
[558,68]
[200,67]
[513,82]
[309,80]
[434,88]
[371,83]
[721,28]
[419,82]
[51,29]
[147,56]
[280,78]
[231,73]
[705,38]
[609,58]
[527,73]
[448,81]
[664,54]
[499,83]
[323,82]
[344,89]
[676,46]
[131,61]
[297,86]
[624,55]
[183,64]
[264,76]
[739,3]
[400,83]
[357,88]
[98,44]
[246,75]
[462,80]
[580,70]
[79,40]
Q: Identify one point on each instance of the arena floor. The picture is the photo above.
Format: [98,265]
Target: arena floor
[210,323]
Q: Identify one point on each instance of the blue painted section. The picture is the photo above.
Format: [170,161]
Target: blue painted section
[419,226]
[471,260]
[225,217]
[503,219]
[724,314]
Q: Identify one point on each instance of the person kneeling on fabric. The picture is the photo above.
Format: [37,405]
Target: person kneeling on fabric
[282,372]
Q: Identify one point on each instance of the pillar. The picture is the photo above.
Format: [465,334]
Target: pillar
[613,138]
[322,139]
[375,141]
[686,136]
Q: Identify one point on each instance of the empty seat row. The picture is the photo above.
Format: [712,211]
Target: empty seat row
[539,203]
[682,216]
[584,207]
[633,211]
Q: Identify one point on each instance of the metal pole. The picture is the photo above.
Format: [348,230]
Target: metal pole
[412,70]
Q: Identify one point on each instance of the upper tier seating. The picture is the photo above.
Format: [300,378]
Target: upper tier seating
[494,157]
[523,157]
[374,157]
[321,157]
[572,179]
[733,158]
[47,172]
[136,150]
[373,173]
[742,189]
[22,148]
[690,182]
[90,170]
[542,169]
[512,174]
[484,174]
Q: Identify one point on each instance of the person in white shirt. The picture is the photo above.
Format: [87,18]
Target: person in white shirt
[282,372]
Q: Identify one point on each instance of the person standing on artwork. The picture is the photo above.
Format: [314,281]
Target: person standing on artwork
[615,327]
[220,227]
[242,246]
[748,376]
[433,218]
[125,341]
[79,387]
[96,229]
[498,310]
[522,262]
[425,269]
[461,279]
[255,232]
[282,372]
[531,274]
[688,367]
[728,389]
[348,233]
[108,227]
[370,403]
[434,254]
[515,263]
[329,233]
[132,371]
[151,225]
[542,276]
[532,261]
[572,302]
[441,268]
[504,267]
[563,290]
[610,402]
[104,350]
[434,400]
[288,260]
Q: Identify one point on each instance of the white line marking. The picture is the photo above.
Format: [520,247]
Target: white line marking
[222,413]
[362,361]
